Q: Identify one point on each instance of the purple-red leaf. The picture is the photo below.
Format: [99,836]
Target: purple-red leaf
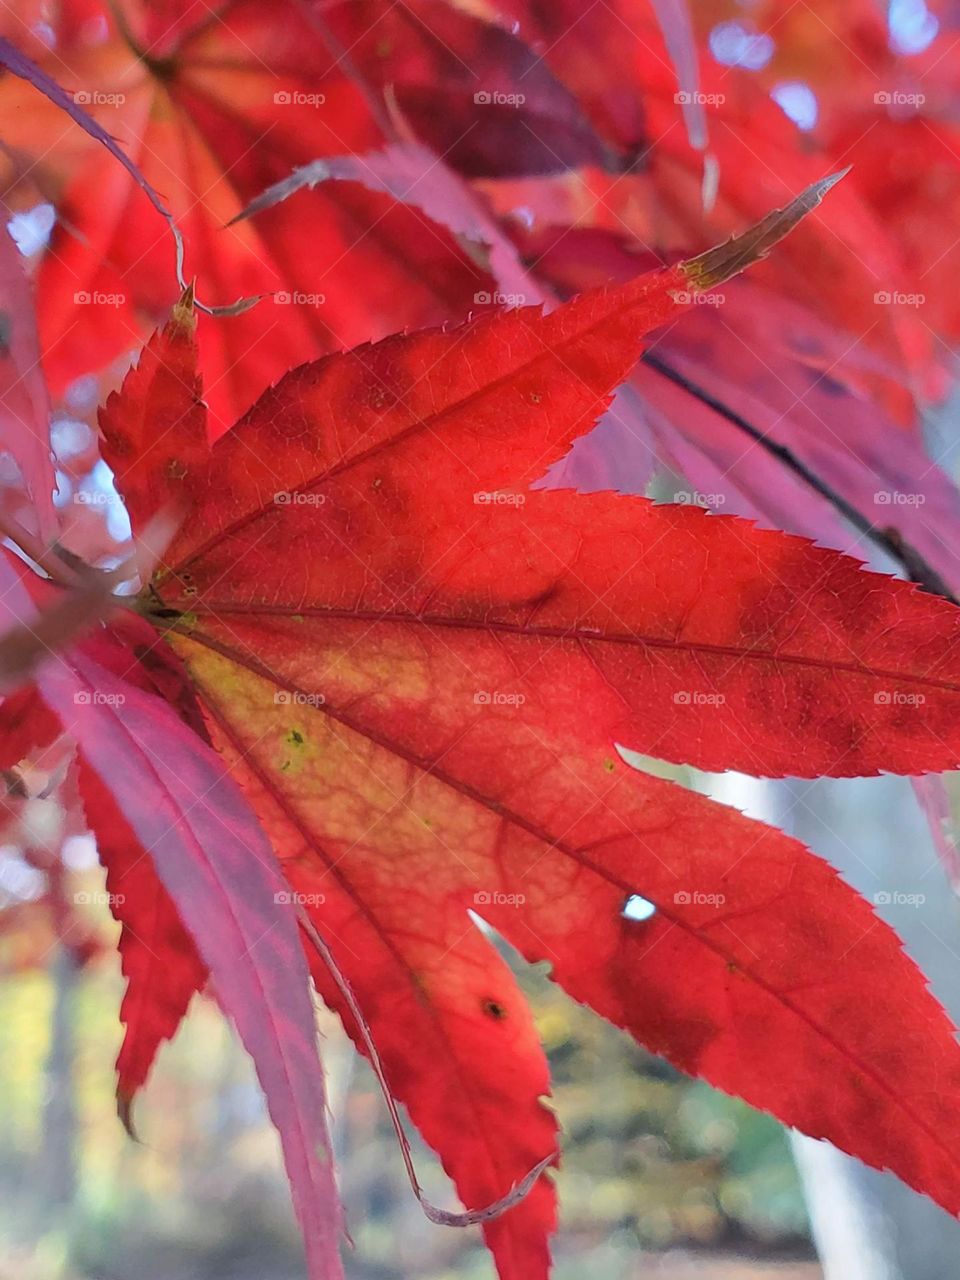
[181,809]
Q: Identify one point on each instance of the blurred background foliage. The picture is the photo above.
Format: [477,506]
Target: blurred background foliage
[661,1176]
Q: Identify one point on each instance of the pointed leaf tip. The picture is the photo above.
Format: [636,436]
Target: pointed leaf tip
[125,1114]
[734,255]
[184,314]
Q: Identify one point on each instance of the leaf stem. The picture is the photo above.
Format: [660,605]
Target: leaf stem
[441,1216]
[47,557]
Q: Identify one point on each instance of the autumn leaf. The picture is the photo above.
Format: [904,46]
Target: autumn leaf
[420,672]
[477,90]
[613,58]
[157,797]
[385,689]
[414,175]
[24,402]
[189,117]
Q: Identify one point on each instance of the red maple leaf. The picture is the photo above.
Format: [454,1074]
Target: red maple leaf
[421,673]
[382,693]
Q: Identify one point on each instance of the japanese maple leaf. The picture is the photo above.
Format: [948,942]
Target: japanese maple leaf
[172,826]
[420,671]
[791,379]
[212,108]
[612,58]
[24,403]
[788,372]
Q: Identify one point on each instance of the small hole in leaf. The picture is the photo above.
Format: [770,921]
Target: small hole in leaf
[637,908]
[493,1010]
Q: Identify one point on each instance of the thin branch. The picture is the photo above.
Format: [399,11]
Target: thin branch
[48,558]
[442,1216]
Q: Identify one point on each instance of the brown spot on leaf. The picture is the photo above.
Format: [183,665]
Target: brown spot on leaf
[493,1009]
